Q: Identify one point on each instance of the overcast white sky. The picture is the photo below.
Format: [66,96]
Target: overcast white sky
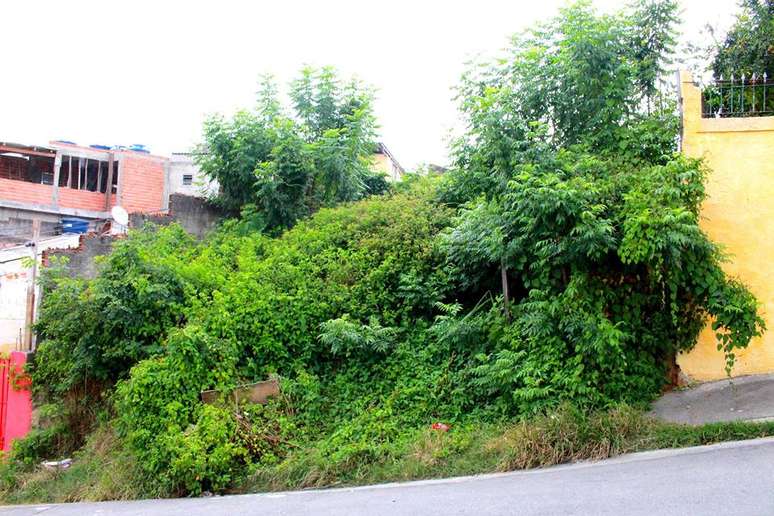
[123,72]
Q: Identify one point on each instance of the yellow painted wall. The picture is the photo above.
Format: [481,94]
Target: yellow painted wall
[739,214]
[382,164]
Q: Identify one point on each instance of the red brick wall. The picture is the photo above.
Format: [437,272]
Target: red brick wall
[142,182]
[82,199]
[23,191]
[34,193]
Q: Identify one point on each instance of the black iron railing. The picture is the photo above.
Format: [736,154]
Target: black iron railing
[739,97]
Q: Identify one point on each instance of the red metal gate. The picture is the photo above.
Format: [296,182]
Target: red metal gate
[15,399]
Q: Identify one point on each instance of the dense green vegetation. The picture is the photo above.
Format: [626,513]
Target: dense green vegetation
[104,470]
[528,298]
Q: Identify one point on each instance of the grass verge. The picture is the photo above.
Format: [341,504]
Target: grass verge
[103,470]
[563,436]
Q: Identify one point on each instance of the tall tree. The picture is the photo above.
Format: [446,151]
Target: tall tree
[653,41]
[748,47]
[281,166]
[579,212]
[579,78]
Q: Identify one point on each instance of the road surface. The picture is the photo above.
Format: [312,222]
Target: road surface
[730,479]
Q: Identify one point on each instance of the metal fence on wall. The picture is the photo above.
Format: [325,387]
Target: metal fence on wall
[739,97]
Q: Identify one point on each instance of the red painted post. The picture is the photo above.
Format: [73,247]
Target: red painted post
[15,400]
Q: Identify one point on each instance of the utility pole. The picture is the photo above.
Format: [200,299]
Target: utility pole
[30,314]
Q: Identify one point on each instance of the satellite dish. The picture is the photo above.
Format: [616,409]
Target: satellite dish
[119,215]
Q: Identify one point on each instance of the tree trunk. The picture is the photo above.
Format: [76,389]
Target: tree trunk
[506,295]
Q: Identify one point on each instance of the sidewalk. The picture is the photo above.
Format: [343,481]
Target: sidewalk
[743,398]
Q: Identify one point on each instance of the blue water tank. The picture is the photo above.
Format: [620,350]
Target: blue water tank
[72,225]
[136,147]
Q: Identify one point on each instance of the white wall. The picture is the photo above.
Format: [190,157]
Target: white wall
[182,164]
[15,280]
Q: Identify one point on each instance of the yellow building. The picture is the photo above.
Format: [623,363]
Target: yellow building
[384,162]
[739,214]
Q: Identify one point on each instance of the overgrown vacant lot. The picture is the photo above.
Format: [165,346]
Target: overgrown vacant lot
[360,313]
[532,298]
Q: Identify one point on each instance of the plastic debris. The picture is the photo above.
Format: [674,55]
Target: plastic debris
[57,464]
[443,427]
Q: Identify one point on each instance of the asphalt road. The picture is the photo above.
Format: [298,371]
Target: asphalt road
[729,479]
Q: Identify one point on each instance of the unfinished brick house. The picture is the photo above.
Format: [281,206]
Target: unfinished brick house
[67,180]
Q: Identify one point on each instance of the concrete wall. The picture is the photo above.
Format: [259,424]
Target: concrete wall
[80,259]
[16,226]
[739,214]
[194,214]
[196,217]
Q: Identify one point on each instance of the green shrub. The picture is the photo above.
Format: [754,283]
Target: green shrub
[207,455]
[354,260]
[96,330]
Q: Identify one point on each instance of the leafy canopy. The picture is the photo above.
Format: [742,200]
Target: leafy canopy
[279,167]
[748,47]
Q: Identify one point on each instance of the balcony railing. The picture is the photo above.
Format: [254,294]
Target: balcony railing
[739,97]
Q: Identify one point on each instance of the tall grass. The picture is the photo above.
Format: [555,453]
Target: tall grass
[101,470]
[562,436]
[104,470]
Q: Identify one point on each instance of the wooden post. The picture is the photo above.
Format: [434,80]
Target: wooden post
[30,314]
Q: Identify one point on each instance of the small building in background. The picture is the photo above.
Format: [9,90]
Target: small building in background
[51,195]
[385,162]
[66,181]
[186,178]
